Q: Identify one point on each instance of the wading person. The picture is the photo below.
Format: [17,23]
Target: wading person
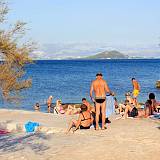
[49,103]
[136,90]
[100,88]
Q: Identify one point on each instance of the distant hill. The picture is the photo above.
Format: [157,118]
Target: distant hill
[108,55]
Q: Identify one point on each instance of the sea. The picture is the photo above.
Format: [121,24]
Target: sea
[70,80]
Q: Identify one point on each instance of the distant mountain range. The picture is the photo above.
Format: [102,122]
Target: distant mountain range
[108,55]
[94,50]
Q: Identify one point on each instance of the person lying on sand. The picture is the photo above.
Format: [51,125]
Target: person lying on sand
[85,120]
[65,108]
[59,108]
[131,111]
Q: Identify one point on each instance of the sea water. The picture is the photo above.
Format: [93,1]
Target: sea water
[69,80]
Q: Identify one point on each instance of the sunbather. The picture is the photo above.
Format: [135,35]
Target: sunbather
[84,121]
[122,106]
[59,108]
[154,104]
[65,108]
[130,110]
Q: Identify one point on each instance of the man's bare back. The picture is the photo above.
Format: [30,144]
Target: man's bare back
[100,88]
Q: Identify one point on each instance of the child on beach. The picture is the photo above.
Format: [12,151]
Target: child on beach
[37,107]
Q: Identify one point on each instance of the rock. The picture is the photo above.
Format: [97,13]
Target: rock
[158,84]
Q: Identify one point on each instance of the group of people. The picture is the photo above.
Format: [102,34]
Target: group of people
[89,114]
[99,87]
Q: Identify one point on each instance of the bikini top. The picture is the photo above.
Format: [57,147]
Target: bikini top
[84,119]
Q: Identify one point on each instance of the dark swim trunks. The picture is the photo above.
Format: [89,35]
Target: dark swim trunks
[100,100]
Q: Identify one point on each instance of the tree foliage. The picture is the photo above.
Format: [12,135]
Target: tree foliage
[14,56]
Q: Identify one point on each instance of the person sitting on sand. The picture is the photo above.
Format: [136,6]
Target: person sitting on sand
[148,108]
[130,98]
[122,106]
[37,107]
[154,104]
[59,108]
[85,120]
[116,106]
[49,103]
[130,110]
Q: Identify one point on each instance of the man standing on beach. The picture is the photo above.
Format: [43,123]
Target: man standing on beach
[136,90]
[49,103]
[100,88]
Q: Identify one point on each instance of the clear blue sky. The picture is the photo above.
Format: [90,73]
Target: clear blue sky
[109,21]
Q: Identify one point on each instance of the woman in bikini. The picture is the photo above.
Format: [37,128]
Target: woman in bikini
[84,121]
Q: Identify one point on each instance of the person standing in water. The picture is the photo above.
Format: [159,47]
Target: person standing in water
[136,90]
[49,103]
[100,88]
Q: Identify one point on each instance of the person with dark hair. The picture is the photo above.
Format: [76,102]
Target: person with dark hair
[148,108]
[152,96]
[136,90]
[85,120]
[155,104]
[100,88]
[37,107]
[89,106]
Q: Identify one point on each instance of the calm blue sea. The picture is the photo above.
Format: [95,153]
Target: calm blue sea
[70,80]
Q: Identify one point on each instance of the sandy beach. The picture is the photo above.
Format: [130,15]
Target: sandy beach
[124,139]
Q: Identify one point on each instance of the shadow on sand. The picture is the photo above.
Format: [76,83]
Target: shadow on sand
[16,142]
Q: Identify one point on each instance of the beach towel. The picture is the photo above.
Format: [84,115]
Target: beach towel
[30,126]
[109,105]
[155,116]
[3,132]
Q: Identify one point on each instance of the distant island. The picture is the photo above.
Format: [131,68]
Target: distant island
[108,55]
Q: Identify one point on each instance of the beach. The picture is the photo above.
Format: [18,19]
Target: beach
[123,139]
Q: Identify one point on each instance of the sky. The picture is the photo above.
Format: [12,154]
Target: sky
[115,22]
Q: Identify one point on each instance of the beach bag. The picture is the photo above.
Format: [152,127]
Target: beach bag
[109,105]
[134,112]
